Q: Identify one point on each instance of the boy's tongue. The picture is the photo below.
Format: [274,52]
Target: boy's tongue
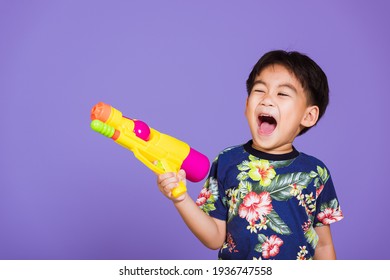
[267,128]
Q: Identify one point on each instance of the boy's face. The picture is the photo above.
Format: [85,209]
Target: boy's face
[277,110]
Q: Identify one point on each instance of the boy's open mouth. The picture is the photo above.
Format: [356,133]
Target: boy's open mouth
[267,124]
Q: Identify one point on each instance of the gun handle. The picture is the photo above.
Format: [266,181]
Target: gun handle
[179,190]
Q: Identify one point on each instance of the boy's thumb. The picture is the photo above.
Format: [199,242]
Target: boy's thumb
[181,175]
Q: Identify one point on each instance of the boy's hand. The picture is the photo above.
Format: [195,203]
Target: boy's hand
[167,181]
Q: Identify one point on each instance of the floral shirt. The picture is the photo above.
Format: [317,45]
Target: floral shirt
[271,203]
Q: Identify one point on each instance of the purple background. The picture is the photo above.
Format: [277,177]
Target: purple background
[69,193]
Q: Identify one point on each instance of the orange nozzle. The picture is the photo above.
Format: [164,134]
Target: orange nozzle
[116,135]
[101,111]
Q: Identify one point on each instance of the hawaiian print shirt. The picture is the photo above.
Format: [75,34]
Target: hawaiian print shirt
[271,202]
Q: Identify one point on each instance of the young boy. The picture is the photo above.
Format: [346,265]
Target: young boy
[264,199]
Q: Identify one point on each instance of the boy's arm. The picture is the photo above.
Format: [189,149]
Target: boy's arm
[210,231]
[325,249]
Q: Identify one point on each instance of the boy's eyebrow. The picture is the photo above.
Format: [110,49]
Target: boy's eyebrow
[288,85]
[259,82]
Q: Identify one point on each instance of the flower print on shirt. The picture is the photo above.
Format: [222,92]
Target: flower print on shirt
[208,195]
[269,246]
[203,197]
[262,171]
[255,206]
[330,213]
[302,253]
[229,244]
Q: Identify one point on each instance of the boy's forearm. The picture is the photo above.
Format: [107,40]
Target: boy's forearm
[209,231]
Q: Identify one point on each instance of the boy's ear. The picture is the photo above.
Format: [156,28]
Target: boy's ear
[310,117]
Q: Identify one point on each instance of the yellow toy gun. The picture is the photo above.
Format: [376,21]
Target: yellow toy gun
[160,152]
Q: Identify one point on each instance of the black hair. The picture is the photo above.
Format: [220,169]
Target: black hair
[308,73]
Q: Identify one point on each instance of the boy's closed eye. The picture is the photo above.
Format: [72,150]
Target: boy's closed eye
[259,90]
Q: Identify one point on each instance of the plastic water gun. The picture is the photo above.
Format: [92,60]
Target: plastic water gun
[160,152]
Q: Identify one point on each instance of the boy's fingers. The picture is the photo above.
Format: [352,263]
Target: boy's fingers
[165,176]
[167,189]
[168,184]
[170,180]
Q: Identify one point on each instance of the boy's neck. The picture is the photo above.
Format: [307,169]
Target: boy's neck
[286,154]
[285,149]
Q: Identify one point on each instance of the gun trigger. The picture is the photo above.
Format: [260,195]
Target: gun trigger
[165,166]
[159,164]
[145,161]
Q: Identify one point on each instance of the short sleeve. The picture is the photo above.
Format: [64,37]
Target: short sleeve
[211,199]
[328,208]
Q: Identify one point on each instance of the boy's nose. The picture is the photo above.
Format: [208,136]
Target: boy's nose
[267,100]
